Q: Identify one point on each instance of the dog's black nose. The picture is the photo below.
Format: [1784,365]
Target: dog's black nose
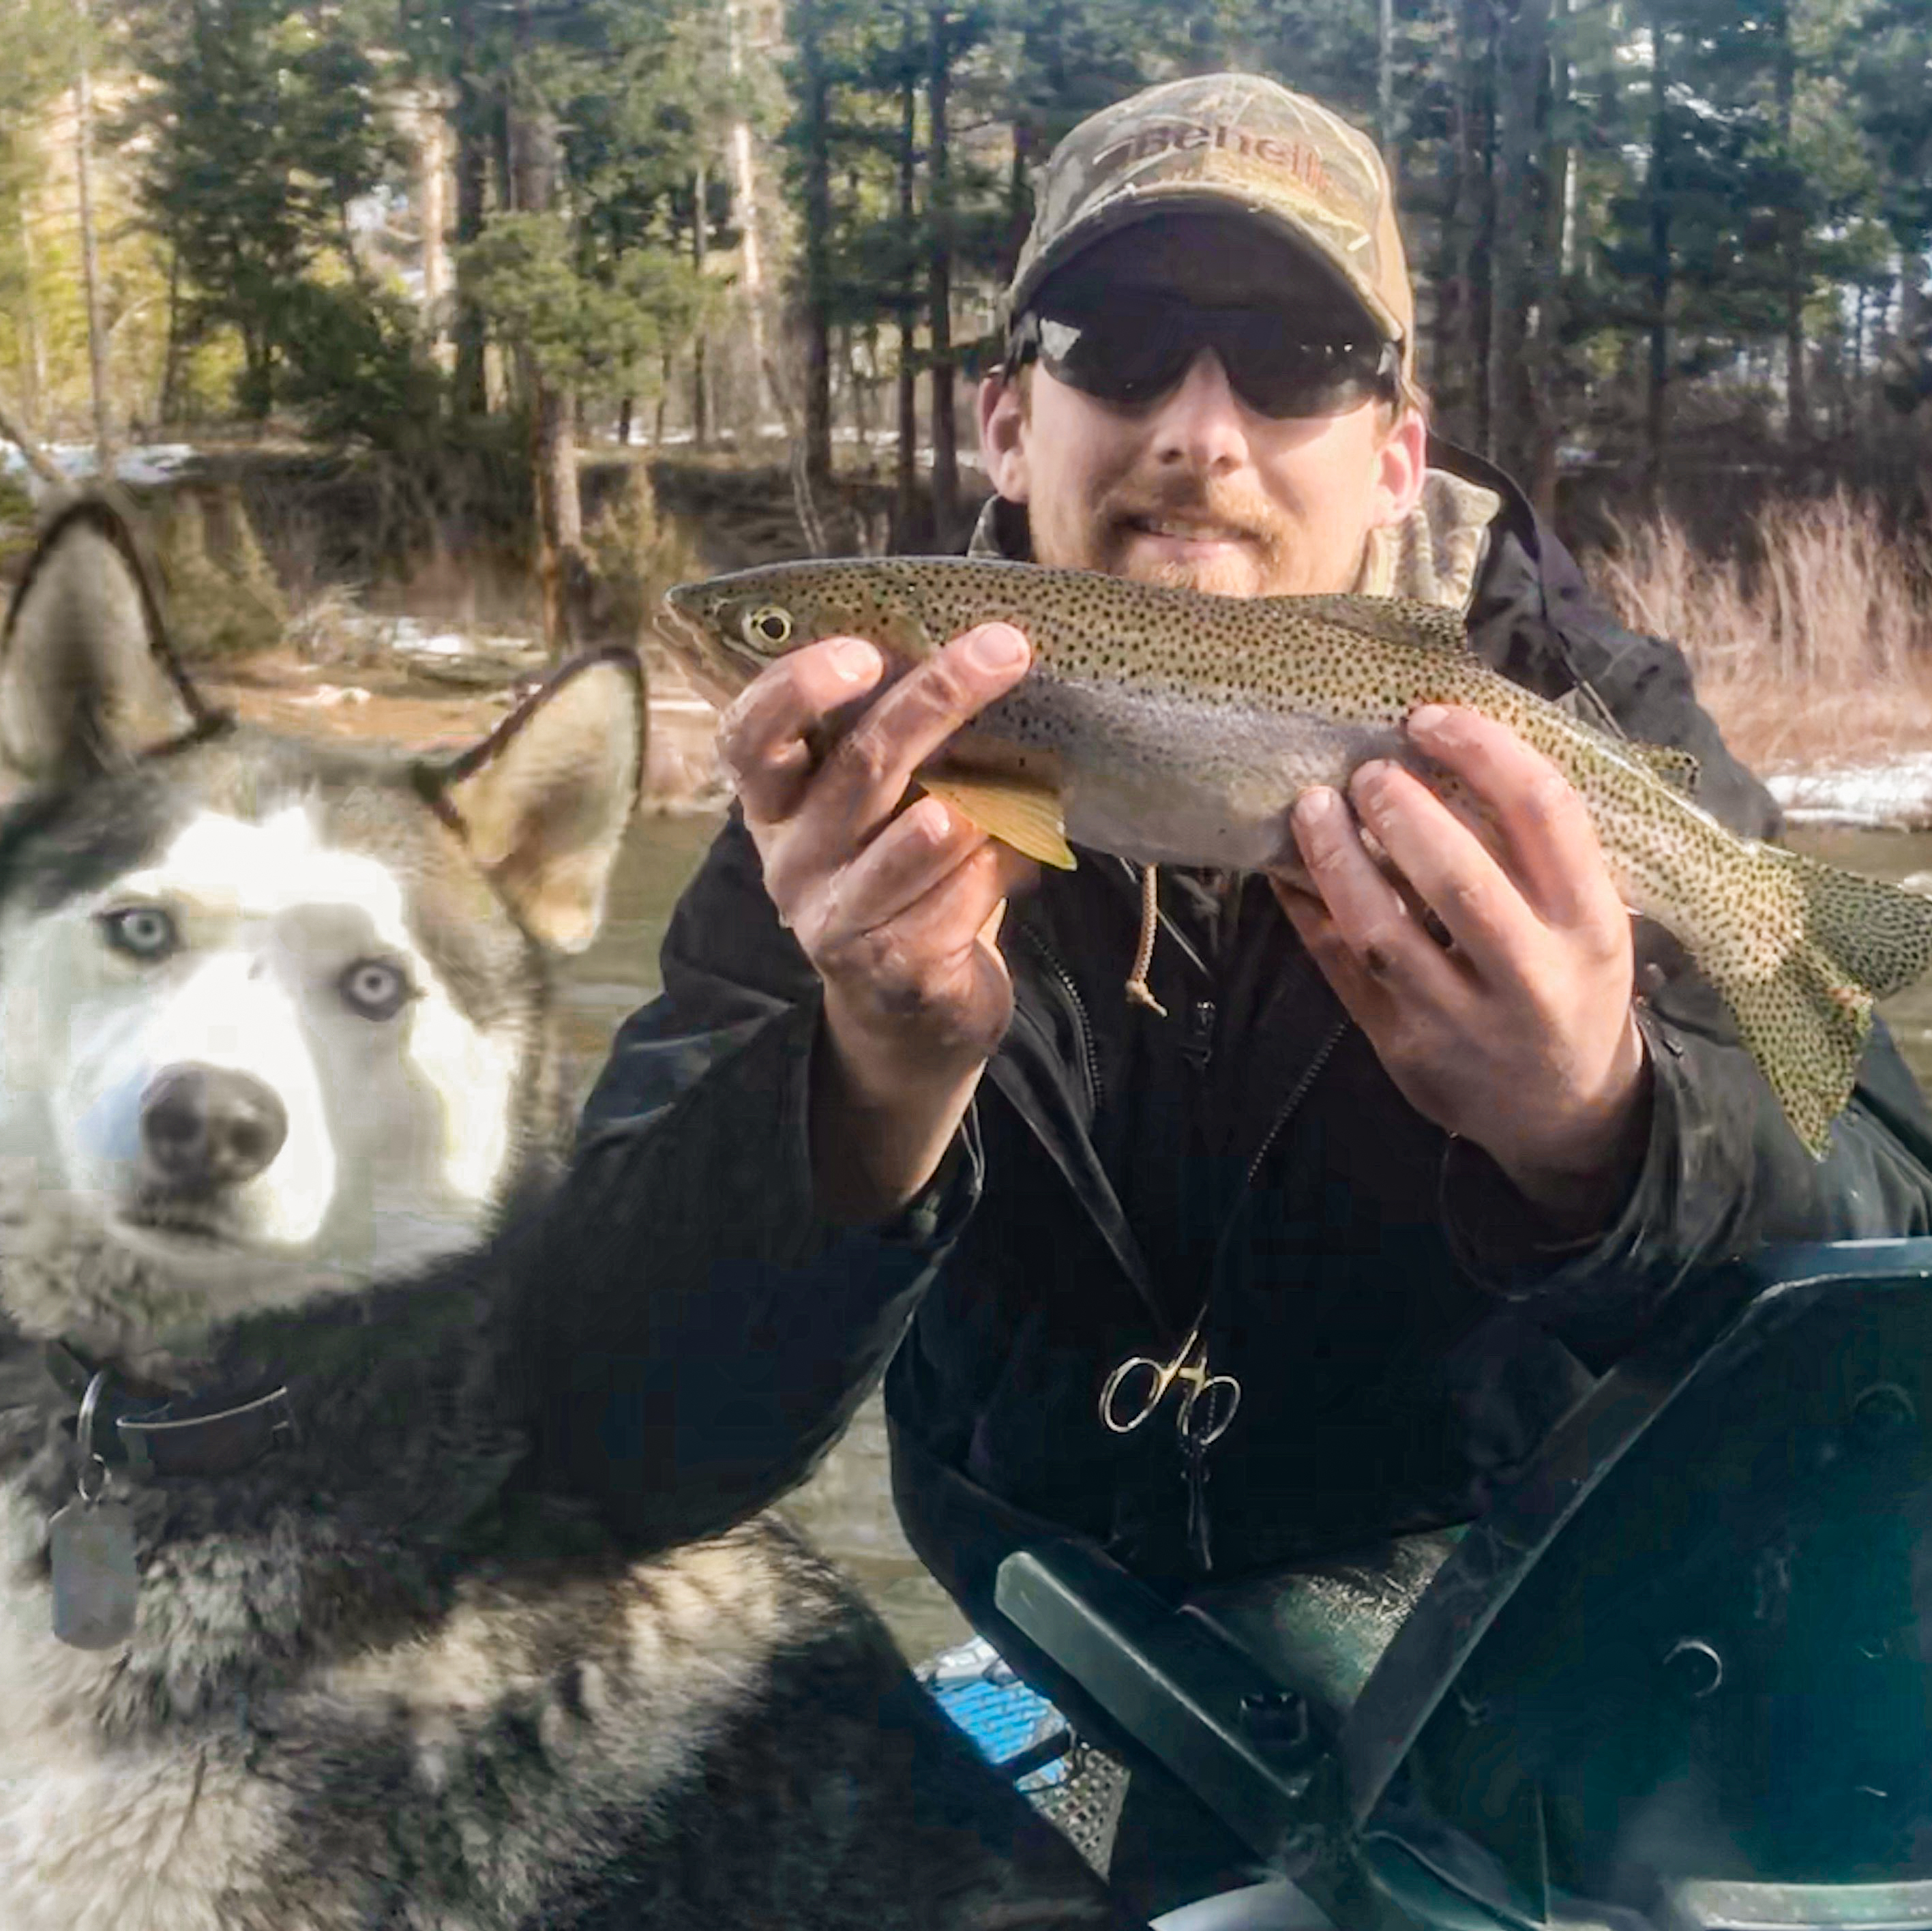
[204,1126]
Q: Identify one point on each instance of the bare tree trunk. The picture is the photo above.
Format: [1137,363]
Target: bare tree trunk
[432,130]
[700,375]
[1553,257]
[751,260]
[1522,431]
[1657,411]
[472,111]
[90,266]
[1791,222]
[1463,347]
[30,324]
[939,278]
[814,469]
[905,481]
[168,401]
[865,388]
[535,164]
[1385,81]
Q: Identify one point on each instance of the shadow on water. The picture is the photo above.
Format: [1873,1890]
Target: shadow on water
[847,1506]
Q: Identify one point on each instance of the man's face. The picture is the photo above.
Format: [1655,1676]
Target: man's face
[1196,488]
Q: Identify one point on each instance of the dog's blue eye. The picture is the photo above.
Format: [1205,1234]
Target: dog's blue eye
[374,988]
[142,932]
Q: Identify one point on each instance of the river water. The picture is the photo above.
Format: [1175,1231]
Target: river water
[847,1507]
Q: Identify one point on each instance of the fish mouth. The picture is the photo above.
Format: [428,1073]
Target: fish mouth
[717,663]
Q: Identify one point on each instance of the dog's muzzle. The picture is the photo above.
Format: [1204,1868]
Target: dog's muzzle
[204,1128]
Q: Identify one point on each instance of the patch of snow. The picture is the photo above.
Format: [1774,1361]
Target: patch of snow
[1897,792]
[326,696]
[145,465]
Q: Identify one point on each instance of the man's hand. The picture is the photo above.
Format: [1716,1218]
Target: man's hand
[896,909]
[1519,1035]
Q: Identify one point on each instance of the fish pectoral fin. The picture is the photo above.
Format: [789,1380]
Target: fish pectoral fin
[1019,811]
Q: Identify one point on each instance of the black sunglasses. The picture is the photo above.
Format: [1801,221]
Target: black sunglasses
[1133,351]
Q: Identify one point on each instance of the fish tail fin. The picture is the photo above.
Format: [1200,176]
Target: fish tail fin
[1807,1023]
[1880,934]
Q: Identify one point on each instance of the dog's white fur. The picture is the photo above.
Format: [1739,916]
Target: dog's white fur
[398,1127]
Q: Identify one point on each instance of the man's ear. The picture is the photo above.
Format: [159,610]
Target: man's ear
[543,801]
[1003,432]
[1402,462]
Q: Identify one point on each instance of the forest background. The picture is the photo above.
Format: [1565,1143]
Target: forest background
[486,255]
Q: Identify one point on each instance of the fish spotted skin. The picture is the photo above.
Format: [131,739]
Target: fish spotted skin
[1170,726]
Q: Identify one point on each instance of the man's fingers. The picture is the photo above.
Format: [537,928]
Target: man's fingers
[830,817]
[869,769]
[924,960]
[924,844]
[1386,940]
[1449,868]
[1552,844]
[763,737]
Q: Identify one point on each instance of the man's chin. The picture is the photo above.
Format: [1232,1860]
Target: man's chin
[1220,569]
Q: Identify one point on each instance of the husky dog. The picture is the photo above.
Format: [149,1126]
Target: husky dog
[278,1109]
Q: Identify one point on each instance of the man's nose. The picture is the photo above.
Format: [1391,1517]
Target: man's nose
[1201,424]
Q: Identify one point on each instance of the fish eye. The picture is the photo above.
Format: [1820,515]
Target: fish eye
[770,626]
[374,988]
[145,933]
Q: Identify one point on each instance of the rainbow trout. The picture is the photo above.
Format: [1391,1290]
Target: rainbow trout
[1174,728]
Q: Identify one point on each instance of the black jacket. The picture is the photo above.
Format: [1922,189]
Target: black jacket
[1402,1339]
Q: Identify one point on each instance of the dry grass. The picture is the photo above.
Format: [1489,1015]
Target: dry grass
[1814,647]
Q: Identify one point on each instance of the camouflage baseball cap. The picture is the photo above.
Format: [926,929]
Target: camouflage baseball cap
[1225,143]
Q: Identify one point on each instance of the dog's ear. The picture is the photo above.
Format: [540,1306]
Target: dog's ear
[87,681]
[544,799]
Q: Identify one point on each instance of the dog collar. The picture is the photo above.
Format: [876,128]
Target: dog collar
[159,1433]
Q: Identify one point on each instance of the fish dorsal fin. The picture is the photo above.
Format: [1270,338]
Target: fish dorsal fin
[1393,619]
[1678,769]
[1019,811]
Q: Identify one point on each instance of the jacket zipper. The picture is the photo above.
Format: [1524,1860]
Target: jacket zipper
[1195,1455]
[1194,1449]
[1090,1050]
[1322,1055]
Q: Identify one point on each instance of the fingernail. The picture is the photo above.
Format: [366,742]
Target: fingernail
[855,660]
[1370,780]
[938,825]
[1429,717]
[1315,807]
[996,646]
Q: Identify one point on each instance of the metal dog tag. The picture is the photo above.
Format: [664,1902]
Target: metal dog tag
[92,1546]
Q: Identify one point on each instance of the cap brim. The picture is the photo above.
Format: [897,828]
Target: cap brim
[1133,207]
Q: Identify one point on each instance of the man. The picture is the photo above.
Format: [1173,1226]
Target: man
[1408,1159]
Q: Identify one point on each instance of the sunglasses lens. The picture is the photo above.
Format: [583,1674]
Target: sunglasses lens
[1133,353]
[1135,356]
[1282,376]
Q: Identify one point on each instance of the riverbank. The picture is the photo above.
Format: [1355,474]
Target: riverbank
[398,704]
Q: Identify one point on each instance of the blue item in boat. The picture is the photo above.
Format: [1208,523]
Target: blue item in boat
[1003,1717]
